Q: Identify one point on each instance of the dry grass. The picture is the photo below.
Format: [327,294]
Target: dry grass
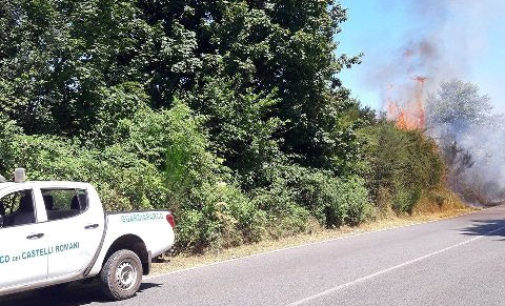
[441,200]
[425,212]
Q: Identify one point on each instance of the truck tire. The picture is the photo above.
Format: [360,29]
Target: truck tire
[121,275]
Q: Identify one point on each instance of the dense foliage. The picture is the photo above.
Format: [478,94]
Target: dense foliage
[230,113]
[403,165]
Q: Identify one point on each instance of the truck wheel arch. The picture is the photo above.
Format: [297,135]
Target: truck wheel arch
[134,244]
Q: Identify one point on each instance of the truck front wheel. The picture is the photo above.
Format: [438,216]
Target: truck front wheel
[121,275]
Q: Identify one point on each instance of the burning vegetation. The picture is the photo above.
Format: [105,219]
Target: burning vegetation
[459,119]
[422,91]
[409,115]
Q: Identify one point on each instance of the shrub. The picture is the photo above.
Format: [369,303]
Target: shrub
[8,132]
[402,164]
[221,216]
[126,173]
[336,201]
[404,200]
[124,181]
[285,216]
[333,201]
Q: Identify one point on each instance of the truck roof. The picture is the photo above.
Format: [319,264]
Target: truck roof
[4,185]
[61,184]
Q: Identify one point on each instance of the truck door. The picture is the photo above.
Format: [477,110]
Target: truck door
[74,228]
[23,243]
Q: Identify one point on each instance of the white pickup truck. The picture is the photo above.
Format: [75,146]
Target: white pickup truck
[53,233]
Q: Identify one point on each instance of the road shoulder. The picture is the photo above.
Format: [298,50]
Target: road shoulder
[183,262]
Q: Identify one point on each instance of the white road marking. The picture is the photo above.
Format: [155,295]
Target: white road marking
[370,276]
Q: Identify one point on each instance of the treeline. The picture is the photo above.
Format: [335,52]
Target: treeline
[230,113]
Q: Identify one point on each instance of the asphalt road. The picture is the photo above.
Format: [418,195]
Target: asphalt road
[459,261]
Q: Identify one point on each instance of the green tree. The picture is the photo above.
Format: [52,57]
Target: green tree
[59,57]
[468,133]
[457,104]
[229,112]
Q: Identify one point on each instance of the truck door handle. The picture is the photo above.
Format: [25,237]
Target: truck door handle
[35,236]
[91,226]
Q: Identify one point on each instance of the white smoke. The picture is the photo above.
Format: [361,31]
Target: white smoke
[471,138]
[447,41]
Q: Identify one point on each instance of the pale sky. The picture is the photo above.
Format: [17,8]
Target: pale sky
[468,35]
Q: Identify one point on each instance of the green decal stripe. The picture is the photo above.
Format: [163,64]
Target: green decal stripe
[141,217]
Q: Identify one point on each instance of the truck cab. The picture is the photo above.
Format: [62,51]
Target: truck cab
[57,232]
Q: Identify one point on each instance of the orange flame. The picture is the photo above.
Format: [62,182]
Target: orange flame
[411,115]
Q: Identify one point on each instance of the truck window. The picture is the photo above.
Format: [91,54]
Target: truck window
[64,203]
[17,208]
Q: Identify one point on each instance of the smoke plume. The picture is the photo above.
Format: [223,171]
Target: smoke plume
[450,35]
